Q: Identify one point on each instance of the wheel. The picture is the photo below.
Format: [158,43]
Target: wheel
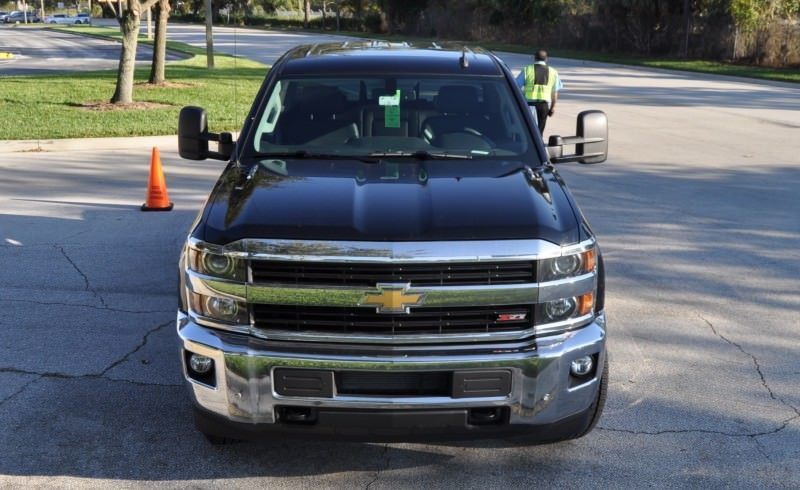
[52,22]
[600,403]
[583,423]
[77,22]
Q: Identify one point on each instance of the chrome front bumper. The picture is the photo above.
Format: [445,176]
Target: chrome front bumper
[542,391]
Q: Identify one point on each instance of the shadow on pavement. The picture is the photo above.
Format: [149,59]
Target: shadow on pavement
[103,396]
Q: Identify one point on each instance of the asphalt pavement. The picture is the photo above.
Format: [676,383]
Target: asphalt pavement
[699,220]
[41,51]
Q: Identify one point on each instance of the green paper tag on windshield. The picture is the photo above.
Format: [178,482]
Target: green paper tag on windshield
[391,109]
[391,116]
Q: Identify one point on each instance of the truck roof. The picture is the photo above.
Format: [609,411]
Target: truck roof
[377,57]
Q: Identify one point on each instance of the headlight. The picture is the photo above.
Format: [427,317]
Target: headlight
[217,308]
[564,309]
[216,265]
[567,266]
[559,309]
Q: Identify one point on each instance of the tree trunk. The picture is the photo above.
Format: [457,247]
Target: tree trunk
[306,13]
[209,35]
[149,24]
[160,44]
[338,17]
[687,25]
[129,22]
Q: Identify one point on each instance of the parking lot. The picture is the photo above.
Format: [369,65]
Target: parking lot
[43,51]
[698,216]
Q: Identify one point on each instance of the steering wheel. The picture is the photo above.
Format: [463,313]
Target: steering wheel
[477,133]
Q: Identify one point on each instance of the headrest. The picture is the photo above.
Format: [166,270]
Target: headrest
[458,99]
[322,99]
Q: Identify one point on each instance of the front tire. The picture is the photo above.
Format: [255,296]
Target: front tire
[219,440]
[600,403]
[588,420]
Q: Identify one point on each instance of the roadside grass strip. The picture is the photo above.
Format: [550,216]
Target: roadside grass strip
[74,105]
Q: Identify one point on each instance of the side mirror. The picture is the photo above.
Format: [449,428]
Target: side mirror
[193,133]
[193,136]
[591,140]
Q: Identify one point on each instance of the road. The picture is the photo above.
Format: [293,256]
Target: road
[41,51]
[698,216]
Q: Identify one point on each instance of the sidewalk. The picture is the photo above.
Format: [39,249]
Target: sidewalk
[77,144]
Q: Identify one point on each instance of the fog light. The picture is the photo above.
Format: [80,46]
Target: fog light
[200,364]
[582,366]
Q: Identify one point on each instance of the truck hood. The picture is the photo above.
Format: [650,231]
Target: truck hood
[405,201]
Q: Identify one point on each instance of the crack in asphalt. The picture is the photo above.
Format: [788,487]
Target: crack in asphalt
[757,365]
[20,390]
[137,348]
[385,467]
[783,425]
[57,375]
[93,307]
[752,435]
[101,375]
[762,450]
[87,285]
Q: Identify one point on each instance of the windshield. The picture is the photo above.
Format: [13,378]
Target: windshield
[451,117]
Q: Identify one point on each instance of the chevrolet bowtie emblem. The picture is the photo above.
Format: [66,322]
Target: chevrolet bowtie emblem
[392,298]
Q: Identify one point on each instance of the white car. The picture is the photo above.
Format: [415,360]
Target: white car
[65,19]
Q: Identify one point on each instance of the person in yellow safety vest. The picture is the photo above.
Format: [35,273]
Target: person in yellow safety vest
[540,84]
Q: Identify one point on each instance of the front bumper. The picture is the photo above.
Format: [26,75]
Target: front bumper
[241,393]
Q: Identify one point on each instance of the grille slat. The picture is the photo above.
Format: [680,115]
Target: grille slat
[323,273]
[368,321]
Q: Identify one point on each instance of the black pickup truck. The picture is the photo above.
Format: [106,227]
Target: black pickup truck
[390,254]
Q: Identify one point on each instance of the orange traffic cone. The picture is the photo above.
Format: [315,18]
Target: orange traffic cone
[157,197]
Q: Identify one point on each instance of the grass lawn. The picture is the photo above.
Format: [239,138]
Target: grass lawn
[50,106]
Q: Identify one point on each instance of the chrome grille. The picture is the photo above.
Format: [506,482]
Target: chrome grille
[452,320]
[433,274]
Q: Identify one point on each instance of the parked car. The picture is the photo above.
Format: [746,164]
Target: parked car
[3,16]
[84,18]
[19,16]
[63,19]
[390,253]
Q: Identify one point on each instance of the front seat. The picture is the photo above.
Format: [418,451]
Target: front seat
[319,115]
[460,123]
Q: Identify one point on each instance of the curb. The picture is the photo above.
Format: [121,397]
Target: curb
[88,144]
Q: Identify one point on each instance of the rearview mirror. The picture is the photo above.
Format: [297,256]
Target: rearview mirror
[193,136]
[591,140]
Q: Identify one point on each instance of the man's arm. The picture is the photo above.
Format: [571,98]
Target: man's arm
[521,78]
[554,96]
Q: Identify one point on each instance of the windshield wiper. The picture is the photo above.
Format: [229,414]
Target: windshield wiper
[421,155]
[305,154]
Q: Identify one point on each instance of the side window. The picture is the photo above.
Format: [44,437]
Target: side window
[271,115]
